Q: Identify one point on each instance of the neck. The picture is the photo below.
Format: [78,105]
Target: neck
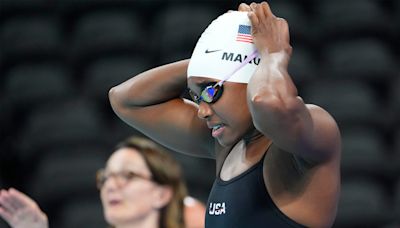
[253,136]
[256,144]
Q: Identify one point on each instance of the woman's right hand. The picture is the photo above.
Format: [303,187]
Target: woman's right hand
[20,211]
[270,33]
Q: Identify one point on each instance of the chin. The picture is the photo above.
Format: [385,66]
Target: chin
[110,218]
[114,218]
[227,142]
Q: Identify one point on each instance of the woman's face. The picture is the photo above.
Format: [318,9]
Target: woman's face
[229,116]
[128,200]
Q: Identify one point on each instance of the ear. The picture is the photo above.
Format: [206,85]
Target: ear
[162,196]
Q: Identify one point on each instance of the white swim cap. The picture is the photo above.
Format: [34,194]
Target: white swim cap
[222,47]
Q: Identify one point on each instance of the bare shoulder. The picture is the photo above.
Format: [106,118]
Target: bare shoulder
[326,133]
[295,184]
[317,111]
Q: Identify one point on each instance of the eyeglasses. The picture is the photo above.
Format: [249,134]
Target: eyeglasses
[211,93]
[121,178]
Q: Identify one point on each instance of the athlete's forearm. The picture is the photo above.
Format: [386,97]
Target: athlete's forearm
[276,108]
[151,87]
[271,80]
[273,100]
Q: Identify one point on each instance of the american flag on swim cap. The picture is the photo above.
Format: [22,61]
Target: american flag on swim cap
[244,34]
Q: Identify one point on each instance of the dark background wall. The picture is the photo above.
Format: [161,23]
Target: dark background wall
[59,58]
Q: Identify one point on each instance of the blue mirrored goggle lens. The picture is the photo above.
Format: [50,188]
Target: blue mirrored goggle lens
[208,94]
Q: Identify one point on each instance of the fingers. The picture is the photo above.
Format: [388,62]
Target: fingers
[5,208]
[21,199]
[12,202]
[6,215]
[253,6]
[6,202]
[270,33]
[18,209]
[259,13]
[16,201]
[265,10]
[285,35]
[243,7]
[261,10]
[284,26]
[253,19]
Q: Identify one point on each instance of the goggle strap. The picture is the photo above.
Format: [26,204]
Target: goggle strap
[245,61]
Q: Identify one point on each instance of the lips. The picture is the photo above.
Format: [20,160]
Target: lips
[217,129]
[114,202]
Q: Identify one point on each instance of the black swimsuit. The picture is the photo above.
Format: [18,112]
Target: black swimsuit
[244,202]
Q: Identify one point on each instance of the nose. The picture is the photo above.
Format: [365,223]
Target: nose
[110,184]
[205,111]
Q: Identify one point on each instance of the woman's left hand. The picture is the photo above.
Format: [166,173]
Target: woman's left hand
[270,33]
[20,211]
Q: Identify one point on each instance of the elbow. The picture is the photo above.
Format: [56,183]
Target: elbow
[120,101]
[262,102]
[274,104]
[112,96]
[261,106]
[115,100]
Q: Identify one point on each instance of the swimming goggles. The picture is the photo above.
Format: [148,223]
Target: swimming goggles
[212,93]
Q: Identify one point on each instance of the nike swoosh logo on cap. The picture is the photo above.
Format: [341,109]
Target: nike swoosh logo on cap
[211,51]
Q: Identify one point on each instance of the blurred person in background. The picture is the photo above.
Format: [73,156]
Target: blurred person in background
[141,186]
[277,158]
